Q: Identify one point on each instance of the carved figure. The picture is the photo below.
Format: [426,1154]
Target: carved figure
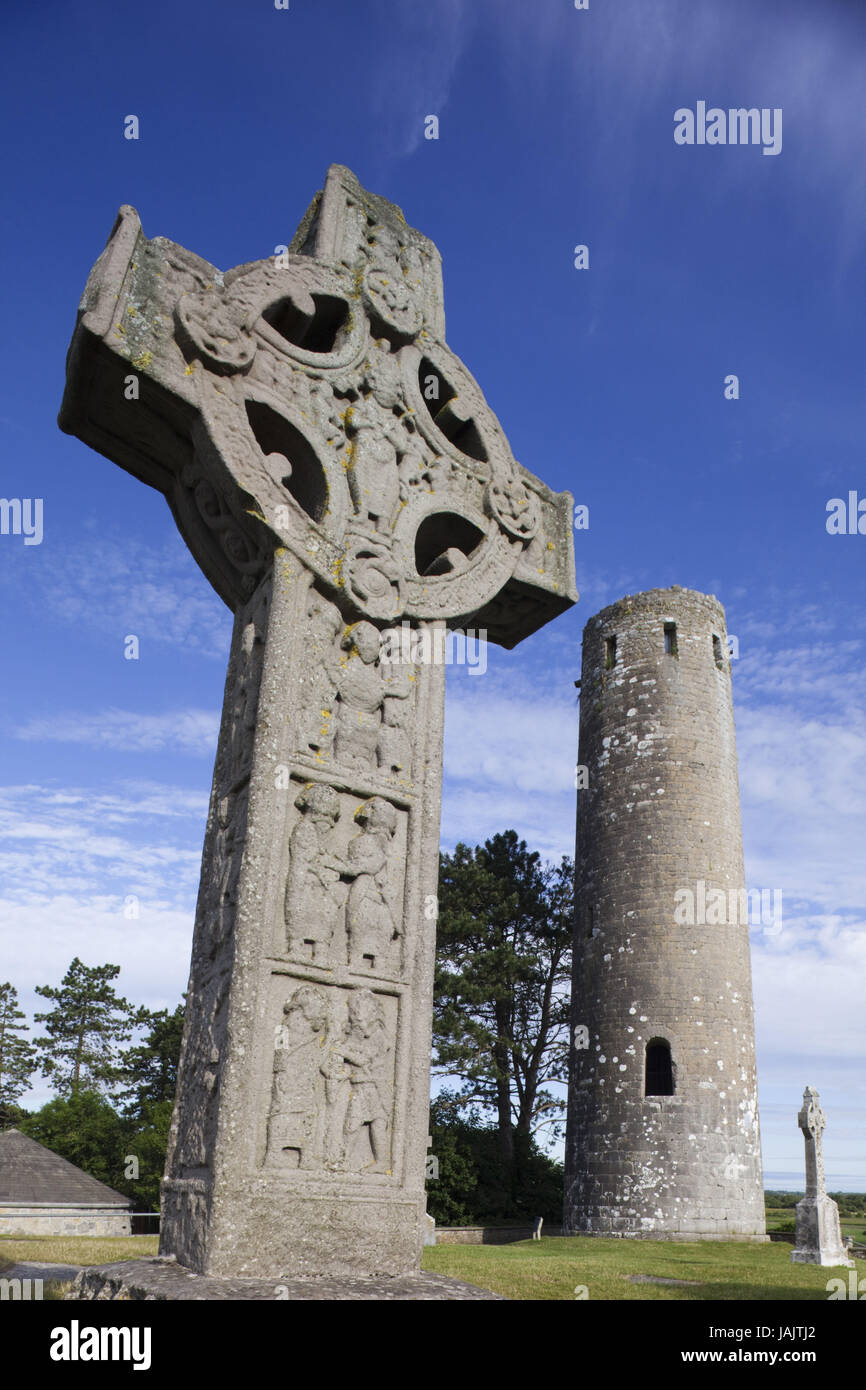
[357,1086]
[321,676]
[374,482]
[394,749]
[295,1121]
[371,928]
[360,699]
[311,908]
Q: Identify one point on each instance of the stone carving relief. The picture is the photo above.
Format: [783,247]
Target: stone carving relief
[514,507]
[375,424]
[248,675]
[296,1119]
[333,1081]
[320,676]
[203,1055]
[370,444]
[374,580]
[312,906]
[344,885]
[372,929]
[356,709]
[207,329]
[218,897]
[205,511]
[359,1093]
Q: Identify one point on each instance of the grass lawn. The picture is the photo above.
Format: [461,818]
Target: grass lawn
[75,1250]
[551,1268]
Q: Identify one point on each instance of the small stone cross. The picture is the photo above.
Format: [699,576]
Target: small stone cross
[812,1122]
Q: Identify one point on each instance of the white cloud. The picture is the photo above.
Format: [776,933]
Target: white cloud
[417,67]
[192,731]
[77,846]
[641,56]
[155,592]
[71,859]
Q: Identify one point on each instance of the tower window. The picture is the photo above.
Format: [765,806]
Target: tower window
[671,639]
[717,652]
[659,1068]
[609,653]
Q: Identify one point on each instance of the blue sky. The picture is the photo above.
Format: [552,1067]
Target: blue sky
[556,129]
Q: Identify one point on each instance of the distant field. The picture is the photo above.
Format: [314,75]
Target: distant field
[779,1218]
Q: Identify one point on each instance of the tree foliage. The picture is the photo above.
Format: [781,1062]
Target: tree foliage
[126,1151]
[150,1068]
[17,1053]
[474,1185]
[503,962]
[85,1129]
[84,1032]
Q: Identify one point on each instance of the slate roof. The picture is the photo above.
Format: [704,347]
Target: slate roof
[31,1175]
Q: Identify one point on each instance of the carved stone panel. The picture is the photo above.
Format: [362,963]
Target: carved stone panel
[357,707]
[331,1106]
[343,901]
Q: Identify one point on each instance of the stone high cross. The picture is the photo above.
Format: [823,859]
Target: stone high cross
[818,1233]
[812,1122]
[335,470]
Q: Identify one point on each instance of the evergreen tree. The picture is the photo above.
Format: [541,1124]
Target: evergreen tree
[17,1054]
[85,1030]
[146,1140]
[473,1186]
[150,1068]
[503,962]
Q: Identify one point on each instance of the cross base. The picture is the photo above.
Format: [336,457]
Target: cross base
[162,1280]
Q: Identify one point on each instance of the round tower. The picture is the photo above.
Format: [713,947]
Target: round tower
[663,1138]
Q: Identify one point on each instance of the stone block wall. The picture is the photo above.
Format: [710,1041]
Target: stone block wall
[64,1221]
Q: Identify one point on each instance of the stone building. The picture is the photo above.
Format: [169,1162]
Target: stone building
[663,1138]
[42,1194]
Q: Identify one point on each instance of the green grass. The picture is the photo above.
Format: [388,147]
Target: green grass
[76,1250]
[551,1268]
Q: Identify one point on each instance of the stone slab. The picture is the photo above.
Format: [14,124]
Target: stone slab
[162,1280]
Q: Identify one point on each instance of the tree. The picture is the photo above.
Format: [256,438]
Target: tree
[473,1186]
[17,1054]
[85,1030]
[85,1129]
[146,1140]
[501,1004]
[150,1069]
